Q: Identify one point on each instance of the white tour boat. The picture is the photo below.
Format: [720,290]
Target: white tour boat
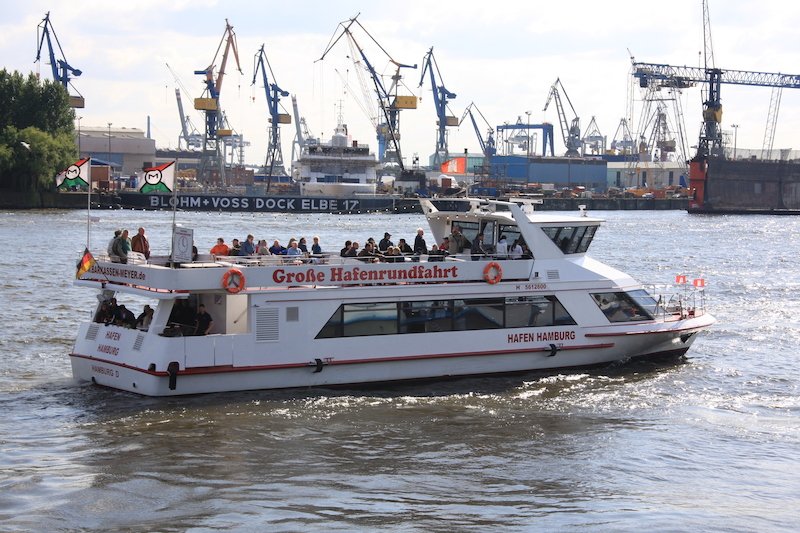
[320,321]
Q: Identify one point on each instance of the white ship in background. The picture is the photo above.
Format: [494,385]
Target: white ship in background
[340,168]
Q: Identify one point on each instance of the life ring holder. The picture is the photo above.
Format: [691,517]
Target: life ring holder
[492,272]
[233,280]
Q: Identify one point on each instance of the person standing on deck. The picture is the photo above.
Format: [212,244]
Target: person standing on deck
[140,244]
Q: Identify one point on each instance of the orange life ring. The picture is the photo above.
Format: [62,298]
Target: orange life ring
[233,281]
[493,272]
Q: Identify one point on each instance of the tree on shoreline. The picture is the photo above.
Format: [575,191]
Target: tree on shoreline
[36,132]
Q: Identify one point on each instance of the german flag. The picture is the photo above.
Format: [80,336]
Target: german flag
[86,262]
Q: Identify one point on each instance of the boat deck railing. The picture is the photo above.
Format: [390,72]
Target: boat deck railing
[211,261]
[688,302]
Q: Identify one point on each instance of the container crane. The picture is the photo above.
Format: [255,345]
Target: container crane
[440,98]
[711,137]
[274,93]
[710,144]
[487,146]
[209,103]
[61,69]
[593,142]
[191,138]
[389,101]
[570,132]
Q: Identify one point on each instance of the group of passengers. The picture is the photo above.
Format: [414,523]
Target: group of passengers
[117,314]
[248,247]
[121,245]
[453,244]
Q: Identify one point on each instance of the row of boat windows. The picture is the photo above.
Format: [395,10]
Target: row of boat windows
[569,239]
[426,316]
[390,318]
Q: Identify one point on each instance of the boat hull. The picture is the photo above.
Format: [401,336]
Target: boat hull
[595,347]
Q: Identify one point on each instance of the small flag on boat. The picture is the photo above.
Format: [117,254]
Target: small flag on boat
[85,264]
[680,279]
[159,179]
[699,283]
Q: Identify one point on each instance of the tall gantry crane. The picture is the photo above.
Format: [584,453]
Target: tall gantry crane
[62,71]
[274,93]
[390,102]
[570,131]
[209,103]
[440,97]
[710,144]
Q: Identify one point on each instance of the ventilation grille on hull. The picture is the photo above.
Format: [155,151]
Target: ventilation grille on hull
[552,274]
[266,325]
[139,341]
[91,333]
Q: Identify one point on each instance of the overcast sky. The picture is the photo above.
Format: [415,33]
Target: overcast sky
[501,55]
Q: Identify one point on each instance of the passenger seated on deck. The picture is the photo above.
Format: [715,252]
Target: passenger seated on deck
[124,317]
[404,247]
[220,248]
[352,251]
[293,248]
[435,254]
[143,320]
[104,314]
[236,248]
[262,248]
[276,248]
[347,245]
[316,249]
[249,246]
[367,254]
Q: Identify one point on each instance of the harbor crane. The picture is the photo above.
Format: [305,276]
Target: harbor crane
[209,104]
[488,145]
[440,97]
[710,144]
[593,142]
[274,93]
[570,131]
[711,136]
[390,102]
[515,136]
[62,70]
[192,139]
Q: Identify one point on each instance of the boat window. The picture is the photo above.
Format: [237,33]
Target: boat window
[468,229]
[478,314]
[571,239]
[427,316]
[369,319]
[622,307]
[535,311]
[511,231]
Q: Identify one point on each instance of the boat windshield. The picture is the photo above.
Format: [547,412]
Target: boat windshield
[571,239]
[626,306]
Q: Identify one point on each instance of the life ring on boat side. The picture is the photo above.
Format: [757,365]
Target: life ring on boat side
[233,281]
[493,272]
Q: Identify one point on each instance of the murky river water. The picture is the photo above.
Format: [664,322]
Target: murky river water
[710,442]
